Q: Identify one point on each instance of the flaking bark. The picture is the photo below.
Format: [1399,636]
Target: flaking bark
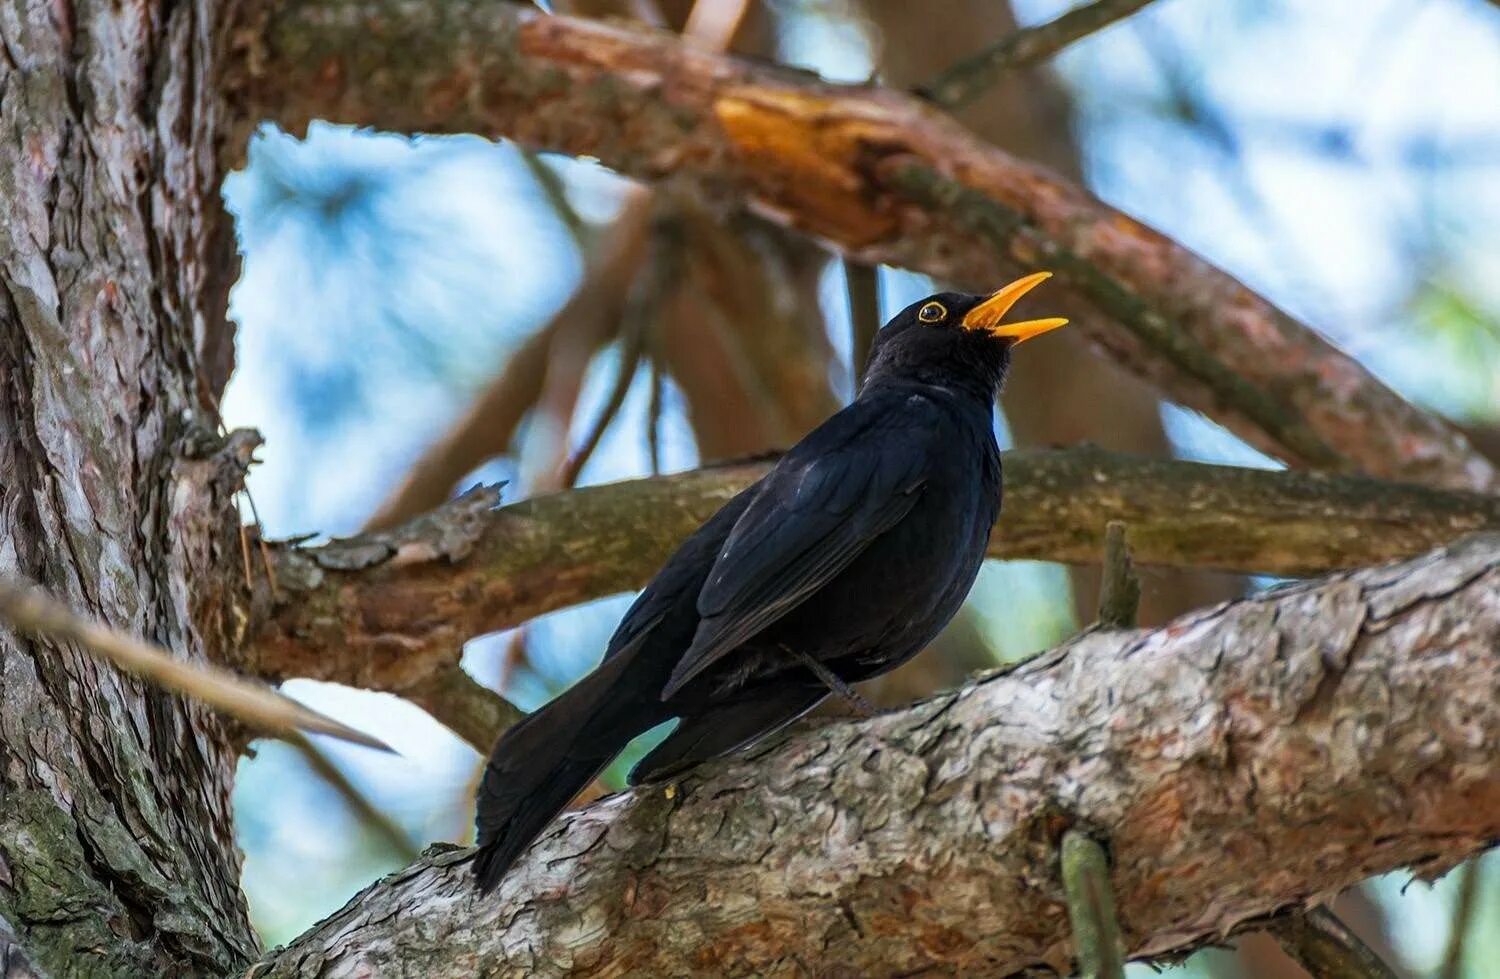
[1242,760]
[117,855]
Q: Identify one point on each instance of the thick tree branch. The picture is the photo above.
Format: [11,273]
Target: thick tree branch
[384,611]
[1241,761]
[882,176]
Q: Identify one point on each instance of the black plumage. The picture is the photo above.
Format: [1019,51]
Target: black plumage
[840,564]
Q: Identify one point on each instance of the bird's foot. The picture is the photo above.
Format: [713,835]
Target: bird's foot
[856,701]
[860,706]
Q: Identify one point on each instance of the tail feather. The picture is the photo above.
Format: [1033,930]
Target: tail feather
[541,763]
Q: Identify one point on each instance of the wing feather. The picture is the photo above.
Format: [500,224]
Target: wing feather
[812,516]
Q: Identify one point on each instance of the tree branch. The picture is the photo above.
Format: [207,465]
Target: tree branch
[491,422]
[1327,948]
[969,78]
[32,612]
[1239,762]
[862,285]
[880,175]
[384,611]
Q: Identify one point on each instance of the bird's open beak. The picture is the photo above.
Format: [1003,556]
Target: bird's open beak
[988,314]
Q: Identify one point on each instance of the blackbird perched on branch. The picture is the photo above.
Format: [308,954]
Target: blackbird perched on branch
[840,564]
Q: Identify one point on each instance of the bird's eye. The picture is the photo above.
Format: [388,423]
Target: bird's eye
[932,313]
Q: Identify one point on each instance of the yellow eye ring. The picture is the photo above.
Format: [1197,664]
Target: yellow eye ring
[932,313]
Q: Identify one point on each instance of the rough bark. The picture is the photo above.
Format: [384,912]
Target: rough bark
[1242,760]
[384,611]
[116,850]
[880,175]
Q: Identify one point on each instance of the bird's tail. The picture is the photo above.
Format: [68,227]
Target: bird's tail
[546,759]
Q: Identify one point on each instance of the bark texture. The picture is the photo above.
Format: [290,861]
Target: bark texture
[1244,759]
[386,611]
[883,177]
[116,850]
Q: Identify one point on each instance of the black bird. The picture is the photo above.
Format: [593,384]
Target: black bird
[840,564]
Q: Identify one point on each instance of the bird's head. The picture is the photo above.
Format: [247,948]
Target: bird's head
[956,337]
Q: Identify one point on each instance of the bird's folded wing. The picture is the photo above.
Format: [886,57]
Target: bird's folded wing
[813,515]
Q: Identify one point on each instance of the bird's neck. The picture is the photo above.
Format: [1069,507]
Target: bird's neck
[974,389]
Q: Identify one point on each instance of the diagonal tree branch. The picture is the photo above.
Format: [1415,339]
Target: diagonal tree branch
[1241,761]
[881,175]
[385,611]
[488,427]
[30,611]
[969,78]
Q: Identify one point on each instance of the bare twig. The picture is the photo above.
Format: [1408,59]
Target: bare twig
[1325,947]
[653,416]
[1120,589]
[630,364]
[968,79]
[863,284]
[638,322]
[1463,921]
[552,189]
[488,427]
[1091,908]
[29,610]
[384,828]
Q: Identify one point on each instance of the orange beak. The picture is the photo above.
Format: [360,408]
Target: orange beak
[988,314]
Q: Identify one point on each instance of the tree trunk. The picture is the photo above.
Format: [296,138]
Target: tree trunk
[116,850]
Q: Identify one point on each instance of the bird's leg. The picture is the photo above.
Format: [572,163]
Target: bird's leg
[835,683]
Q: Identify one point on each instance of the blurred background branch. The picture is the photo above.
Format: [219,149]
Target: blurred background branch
[1157,307]
[965,81]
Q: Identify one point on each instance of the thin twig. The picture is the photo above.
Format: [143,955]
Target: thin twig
[1463,920]
[713,25]
[385,828]
[488,427]
[30,610]
[653,413]
[863,285]
[552,188]
[640,314]
[1091,908]
[1327,948]
[1120,589]
[968,79]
